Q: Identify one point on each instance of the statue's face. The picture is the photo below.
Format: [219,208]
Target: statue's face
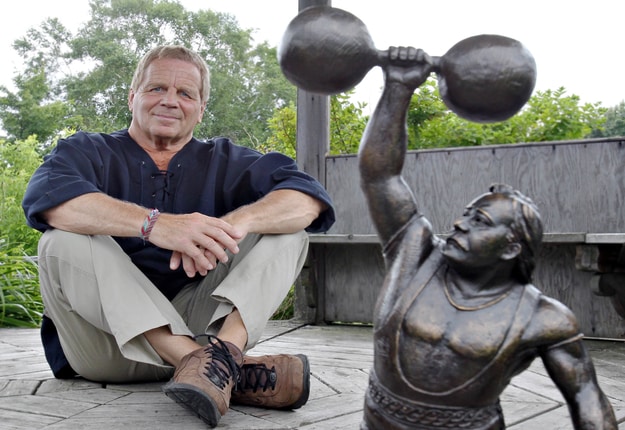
[482,237]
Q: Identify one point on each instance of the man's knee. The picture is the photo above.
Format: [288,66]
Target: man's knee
[55,239]
[297,241]
[78,248]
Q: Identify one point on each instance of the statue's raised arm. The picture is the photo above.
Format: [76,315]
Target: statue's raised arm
[383,146]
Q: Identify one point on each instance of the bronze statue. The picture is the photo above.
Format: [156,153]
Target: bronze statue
[456,319]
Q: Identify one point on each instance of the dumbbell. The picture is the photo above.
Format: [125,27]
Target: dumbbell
[484,78]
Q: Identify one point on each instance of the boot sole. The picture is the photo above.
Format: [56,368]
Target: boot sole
[195,400]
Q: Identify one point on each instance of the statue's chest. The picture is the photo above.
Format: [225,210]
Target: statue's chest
[441,347]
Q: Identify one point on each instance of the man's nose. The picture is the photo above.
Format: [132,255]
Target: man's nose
[169,97]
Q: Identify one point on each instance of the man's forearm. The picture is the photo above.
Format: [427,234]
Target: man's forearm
[281,211]
[97,213]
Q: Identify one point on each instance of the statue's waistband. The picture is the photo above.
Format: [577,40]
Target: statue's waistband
[419,415]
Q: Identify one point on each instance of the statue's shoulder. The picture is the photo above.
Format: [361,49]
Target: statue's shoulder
[552,321]
[415,241]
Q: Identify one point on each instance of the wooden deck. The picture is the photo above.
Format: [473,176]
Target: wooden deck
[340,358]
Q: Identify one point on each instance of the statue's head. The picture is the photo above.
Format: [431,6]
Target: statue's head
[527,227]
[502,225]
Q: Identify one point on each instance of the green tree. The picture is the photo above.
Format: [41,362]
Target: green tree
[347,124]
[283,126]
[425,107]
[91,72]
[31,111]
[548,116]
[614,122]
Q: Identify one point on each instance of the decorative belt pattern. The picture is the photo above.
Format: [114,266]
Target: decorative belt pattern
[410,413]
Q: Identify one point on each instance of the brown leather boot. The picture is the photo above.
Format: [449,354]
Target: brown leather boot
[273,381]
[204,379]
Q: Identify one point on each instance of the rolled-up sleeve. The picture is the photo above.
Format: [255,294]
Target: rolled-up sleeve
[66,173]
[256,177]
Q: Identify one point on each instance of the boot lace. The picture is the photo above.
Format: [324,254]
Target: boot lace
[222,366]
[257,376]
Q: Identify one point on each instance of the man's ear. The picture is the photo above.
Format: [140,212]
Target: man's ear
[512,251]
[131,96]
[202,109]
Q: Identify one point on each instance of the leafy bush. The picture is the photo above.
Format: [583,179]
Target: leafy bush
[18,161]
[20,299]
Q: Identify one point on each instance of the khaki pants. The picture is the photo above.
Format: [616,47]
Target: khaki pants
[101,303]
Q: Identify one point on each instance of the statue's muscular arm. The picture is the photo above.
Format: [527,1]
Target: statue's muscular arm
[571,369]
[566,359]
[384,142]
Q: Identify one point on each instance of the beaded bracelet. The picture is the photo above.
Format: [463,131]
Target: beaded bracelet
[148,224]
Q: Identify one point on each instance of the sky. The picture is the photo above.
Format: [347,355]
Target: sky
[576,44]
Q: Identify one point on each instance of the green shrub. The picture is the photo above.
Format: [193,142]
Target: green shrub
[20,299]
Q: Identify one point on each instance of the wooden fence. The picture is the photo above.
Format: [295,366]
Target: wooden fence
[579,187]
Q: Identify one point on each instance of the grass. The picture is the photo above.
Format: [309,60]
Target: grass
[286,310]
[20,299]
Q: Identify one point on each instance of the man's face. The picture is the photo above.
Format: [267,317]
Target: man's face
[167,105]
[482,237]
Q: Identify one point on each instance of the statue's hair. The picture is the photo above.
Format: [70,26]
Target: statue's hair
[176,52]
[527,228]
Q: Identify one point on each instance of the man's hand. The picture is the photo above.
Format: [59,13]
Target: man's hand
[198,241]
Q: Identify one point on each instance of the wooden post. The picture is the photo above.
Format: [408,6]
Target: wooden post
[313,122]
[313,143]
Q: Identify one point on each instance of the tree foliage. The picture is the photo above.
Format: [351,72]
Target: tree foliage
[614,122]
[81,82]
[347,124]
[31,111]
[548,116]
[90,73]
[283,126]
[18,161]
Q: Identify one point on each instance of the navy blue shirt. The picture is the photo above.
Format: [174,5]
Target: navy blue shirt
[213,178]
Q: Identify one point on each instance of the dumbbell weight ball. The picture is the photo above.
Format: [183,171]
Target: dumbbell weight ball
[486,78]
[326,50]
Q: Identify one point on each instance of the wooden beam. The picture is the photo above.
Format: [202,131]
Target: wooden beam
[313,122]
[313,144]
